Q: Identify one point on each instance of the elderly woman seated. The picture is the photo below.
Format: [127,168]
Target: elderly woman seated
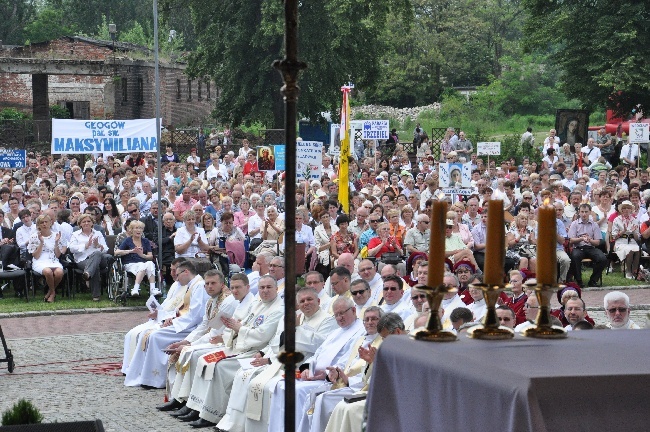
[455,249]
[228,240]
[90,253]
[190,241]
[137,257]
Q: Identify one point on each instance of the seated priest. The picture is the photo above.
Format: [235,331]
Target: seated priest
[216,371]
[334,351]
[235,302]
[313,327]
[148,366]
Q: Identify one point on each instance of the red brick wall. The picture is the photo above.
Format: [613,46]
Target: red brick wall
[105,92]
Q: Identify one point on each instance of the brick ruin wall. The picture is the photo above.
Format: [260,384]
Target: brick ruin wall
[105,93]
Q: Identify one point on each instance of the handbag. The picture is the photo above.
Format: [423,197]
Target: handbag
[527,251]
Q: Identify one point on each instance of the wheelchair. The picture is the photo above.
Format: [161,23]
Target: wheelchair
[120,281]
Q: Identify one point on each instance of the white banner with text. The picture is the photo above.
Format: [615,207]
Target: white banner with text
[100,136]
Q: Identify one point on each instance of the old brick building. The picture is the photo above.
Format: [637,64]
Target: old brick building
[94,81]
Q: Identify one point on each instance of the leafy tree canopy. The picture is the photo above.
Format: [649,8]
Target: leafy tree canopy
[339,40]
[15,15]
[602,48]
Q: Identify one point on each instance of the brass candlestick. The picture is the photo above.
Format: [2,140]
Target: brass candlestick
[490,329]
[544,328]
[434,331]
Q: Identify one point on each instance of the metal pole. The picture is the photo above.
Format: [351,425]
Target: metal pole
[158,145]
[289,68]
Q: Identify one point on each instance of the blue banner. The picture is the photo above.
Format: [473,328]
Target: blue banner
[280,157]
[13,158]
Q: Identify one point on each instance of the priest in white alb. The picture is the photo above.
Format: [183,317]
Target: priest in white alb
[313,327]
[334,351]
[220,303]
[341,382]
[215,372]
[148,366]
[185,366]
[156,317]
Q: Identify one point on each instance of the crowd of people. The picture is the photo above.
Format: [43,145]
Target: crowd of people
[215,339]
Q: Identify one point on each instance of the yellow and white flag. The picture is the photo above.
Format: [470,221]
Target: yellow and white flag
[344,182]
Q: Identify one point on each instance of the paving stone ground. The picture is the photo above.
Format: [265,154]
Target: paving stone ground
[76,376]
[68,365]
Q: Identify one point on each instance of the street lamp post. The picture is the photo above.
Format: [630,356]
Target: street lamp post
[112,30]
[170,40]
[158,151]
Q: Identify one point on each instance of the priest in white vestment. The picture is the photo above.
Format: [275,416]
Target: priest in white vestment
[341,382]
[418,300]
[393,297]
[169,306]
[333,352]
[362,296]
[348,417]
[214,377]
[368,273]
[316,281]
[149,364]
[340,278]
[450,301]
[212,341]
[221,302]
[345,260]
[313,326]
[478,307]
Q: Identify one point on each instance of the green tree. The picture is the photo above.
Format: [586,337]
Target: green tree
[339,40]
[602,48]
[445,43]
[49,24]
[527,86]
[15,15]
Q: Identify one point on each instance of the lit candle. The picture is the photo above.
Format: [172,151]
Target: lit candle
[546,245]
[437,244]
[495,249]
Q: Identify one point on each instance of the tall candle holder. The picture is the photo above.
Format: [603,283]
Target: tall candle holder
[544,328]
[490,329]
[434,331]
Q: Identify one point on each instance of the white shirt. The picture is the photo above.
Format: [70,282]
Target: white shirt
[138,183]
[78,244]
[556,143]
[401,308]
[23,234]
[255,222]
[478,308]
[305,235]
[182,236]
[630,151]
[591,153]
[212,172]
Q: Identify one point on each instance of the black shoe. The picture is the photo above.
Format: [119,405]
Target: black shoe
[148,387]
[593,284]
[194,415]
[201,423]
[181,412]
[580,284]
[171,405]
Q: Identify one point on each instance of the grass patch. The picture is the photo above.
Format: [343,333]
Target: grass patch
[613,279]
[11,304]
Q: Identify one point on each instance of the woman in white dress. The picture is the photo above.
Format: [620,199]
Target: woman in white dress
[45,247]
[625,233]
